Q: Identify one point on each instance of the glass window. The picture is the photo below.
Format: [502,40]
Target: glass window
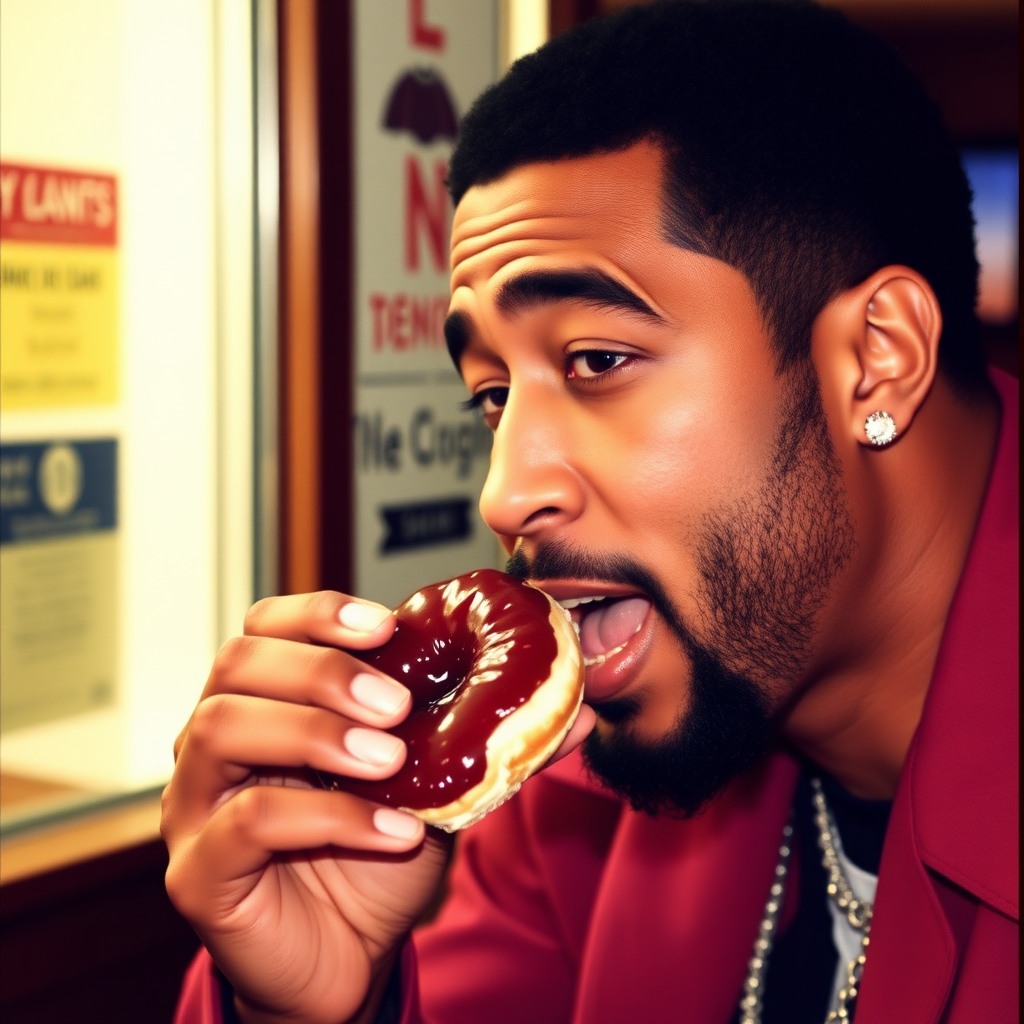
[126,383]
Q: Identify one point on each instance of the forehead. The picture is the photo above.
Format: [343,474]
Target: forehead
[603,208]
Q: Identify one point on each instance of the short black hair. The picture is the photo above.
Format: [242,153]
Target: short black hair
[799,150]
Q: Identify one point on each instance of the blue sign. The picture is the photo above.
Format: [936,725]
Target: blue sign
[57,489]
[426,523]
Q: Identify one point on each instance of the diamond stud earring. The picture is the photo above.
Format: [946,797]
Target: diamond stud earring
[880,428]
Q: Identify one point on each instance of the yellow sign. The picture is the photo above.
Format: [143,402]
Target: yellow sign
[59,306]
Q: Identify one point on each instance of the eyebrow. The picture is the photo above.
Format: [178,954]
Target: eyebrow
[456,336]
[539,287]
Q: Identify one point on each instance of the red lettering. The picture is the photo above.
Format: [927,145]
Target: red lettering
[96,198]
[58,206]
[420,321]
[71,202]
[428,212]
[402,322]
[427,37]
[377,304]
[8,192]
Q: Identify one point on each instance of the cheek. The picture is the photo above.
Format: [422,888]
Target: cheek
[684,458]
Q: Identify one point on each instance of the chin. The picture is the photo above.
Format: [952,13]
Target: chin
[723,730]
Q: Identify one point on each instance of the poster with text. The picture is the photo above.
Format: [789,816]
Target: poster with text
[58,579]
[58,288]
[420,460]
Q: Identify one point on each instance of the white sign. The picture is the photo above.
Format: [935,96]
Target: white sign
[420,460]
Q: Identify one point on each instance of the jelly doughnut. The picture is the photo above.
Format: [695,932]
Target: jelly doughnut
[496,675]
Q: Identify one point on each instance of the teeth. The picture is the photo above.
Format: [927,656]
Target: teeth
[600,659]
[572,602]
[575,624]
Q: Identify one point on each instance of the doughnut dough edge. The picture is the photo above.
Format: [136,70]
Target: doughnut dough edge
[526,738]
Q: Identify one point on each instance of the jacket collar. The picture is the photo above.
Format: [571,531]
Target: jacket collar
[954,818]
[964,772]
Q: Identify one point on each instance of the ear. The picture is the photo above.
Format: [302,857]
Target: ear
[881,340]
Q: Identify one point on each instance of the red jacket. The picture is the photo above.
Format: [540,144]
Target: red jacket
[567,907]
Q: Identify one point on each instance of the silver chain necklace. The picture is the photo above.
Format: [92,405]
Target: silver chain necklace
[857,912]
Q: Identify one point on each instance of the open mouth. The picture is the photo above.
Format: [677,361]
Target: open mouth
[606,623]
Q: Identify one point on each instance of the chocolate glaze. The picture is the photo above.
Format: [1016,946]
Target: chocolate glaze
[471,650]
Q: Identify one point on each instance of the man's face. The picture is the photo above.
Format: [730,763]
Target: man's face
[647,456]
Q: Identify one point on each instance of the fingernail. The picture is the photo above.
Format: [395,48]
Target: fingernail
[371,746]
[396,824]
[377,694]
[363,618]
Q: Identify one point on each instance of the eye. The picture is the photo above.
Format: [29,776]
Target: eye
[584,365]
[489,401]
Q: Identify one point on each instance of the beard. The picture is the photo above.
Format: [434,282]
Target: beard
[765,566]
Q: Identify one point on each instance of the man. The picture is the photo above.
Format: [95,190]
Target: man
[712,288]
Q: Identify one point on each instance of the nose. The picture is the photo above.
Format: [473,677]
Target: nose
[533,485]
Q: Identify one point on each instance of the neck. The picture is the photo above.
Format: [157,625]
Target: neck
[918,505]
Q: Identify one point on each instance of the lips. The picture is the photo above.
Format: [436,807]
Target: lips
[615,630]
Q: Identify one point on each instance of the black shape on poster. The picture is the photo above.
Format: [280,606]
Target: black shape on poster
[421,104]
[424,524]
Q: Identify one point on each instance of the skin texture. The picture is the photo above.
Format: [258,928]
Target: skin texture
[298,893]
[301,895]
[640,460]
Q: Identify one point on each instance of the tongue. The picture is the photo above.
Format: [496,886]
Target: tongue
[611,624]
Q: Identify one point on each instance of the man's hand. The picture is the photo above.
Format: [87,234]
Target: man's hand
[300,894]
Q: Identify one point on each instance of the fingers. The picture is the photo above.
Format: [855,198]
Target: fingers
[246,831]
[580,730]
[304,674]
[231,734]
[325,617]
[278,699]
[242,814]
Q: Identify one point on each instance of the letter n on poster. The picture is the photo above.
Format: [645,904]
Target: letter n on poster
[59,310]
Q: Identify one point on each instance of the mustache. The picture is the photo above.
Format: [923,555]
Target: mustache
[553,560]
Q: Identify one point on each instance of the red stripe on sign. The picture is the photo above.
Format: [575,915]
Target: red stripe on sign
[57,206]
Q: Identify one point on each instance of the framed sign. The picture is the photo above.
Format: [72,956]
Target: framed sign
[419,460]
